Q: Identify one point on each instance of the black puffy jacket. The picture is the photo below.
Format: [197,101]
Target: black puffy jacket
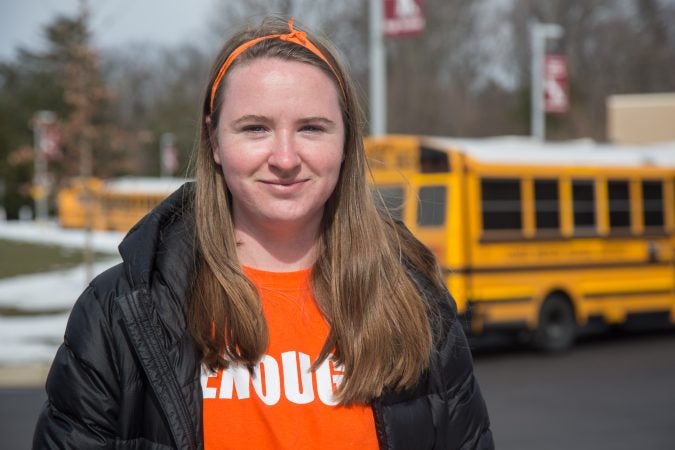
[127,373]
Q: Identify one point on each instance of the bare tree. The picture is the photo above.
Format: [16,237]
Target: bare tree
[466,75]
[613,46]
[345,23]
[449,80]
[325,15]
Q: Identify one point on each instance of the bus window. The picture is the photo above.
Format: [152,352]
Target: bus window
[619,204]
[500,202]
[431,206]
[433,161]
[652,203]
[583,204]
[391,198]
[546,206]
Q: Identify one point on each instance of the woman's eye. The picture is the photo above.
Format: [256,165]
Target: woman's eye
[254,128]
[312,128]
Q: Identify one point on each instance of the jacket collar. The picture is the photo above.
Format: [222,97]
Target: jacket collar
[162,241]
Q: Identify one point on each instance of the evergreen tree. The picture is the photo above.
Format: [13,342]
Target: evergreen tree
[66,79]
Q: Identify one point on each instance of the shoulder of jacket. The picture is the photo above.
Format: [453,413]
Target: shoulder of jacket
[98,296]
[112,282]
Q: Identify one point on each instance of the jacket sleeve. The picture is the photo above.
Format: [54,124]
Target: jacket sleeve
[82,386]
[460,411]
[446,409]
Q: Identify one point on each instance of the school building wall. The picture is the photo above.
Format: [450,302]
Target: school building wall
[641,118]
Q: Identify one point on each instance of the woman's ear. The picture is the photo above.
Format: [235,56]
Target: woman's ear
[213,142]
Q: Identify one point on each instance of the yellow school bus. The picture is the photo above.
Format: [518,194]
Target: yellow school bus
[115,204]
[77,203]
[538,237]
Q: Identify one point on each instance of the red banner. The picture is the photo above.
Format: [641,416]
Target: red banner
[556,85]
[49,136]
[403,17]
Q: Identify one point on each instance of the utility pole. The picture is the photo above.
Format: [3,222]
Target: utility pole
[539,32]
[378,71]
[81,87]
[86,172]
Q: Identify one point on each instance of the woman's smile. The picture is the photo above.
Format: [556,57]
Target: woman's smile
[285,186]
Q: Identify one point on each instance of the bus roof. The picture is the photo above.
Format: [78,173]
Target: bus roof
[525,150]
[144,185]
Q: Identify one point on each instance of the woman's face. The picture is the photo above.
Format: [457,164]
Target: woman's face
[280,139]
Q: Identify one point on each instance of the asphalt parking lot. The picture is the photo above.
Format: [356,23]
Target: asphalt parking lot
[614,392]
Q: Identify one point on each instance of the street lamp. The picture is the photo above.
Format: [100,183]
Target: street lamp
[539,32]
[378,71]
[41,120]
[168,155]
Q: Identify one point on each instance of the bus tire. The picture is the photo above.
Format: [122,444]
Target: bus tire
[557,326]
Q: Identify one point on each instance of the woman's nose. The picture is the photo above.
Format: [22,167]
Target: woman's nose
[284,153]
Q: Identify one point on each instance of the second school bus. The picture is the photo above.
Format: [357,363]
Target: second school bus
[538,237]
[115,204]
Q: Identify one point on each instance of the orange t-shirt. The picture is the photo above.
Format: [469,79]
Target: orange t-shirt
[284,405]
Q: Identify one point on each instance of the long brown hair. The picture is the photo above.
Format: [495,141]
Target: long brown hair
[380,326]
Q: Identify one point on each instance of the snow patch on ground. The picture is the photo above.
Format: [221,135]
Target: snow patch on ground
[47,291]
[41,302]
[49,233]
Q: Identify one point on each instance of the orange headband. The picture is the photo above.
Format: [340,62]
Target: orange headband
[296,37]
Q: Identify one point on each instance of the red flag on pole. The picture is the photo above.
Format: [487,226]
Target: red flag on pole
[556,86]
[403,17]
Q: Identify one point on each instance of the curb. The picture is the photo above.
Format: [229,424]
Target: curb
[28,375]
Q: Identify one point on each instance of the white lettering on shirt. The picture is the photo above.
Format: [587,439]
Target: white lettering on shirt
[327,382]
[293,374]
[236,378]
[300,384]
[267,373]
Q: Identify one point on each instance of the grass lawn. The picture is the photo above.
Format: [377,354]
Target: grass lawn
[19,258]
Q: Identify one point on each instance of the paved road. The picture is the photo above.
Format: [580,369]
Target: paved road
[610,393]
[613,393]
[19,409]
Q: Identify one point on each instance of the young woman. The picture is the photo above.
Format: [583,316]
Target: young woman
[270,304]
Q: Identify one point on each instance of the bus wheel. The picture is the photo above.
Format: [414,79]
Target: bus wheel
[557,326]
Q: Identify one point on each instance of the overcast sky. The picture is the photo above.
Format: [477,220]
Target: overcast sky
[115,22]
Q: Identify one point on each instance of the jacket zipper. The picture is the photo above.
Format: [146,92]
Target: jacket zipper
[156,366]
[379,425]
